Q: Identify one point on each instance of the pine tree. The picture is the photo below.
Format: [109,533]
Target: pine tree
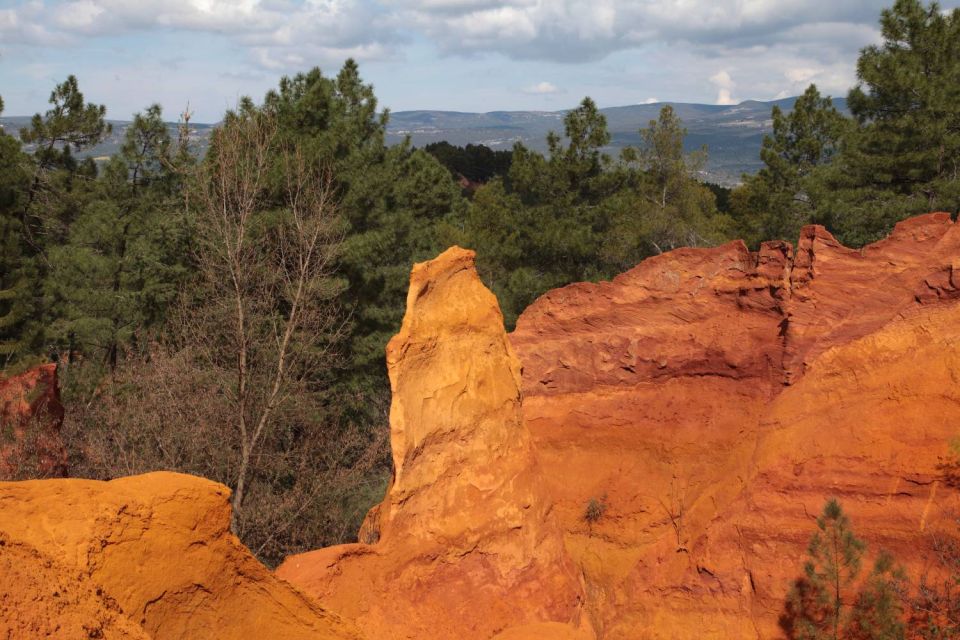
[816,605]
[829,603]
[904,157]
[19,284]
[662,205]
[393,200]
[787,192]
[576,214]
[124,252]
[70,125]
[551,216]
[877,613]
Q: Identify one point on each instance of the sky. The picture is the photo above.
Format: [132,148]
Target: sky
[461,55]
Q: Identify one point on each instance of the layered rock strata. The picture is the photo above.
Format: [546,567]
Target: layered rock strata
[687,421]
[715,398]
[641,459]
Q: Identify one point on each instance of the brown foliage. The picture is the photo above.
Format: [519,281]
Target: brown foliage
[309,481]
[238,391]
[935,608]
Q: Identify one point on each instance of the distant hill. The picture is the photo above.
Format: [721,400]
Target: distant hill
[199,135]
[732,133]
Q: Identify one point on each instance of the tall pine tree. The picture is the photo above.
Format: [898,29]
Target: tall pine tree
[19,284]
[904,157]
[124,253]
[829,601]
[788,192]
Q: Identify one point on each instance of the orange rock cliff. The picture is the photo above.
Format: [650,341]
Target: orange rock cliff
[705,403]
[142,557]
[709,400]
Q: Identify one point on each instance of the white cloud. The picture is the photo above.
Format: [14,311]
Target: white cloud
[800,74]
[277,34]
[542,88]
[649,101]
[725,84]
[771,46]
[583,30]
[555,30]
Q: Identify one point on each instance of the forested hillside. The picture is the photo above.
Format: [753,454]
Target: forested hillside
[225,313]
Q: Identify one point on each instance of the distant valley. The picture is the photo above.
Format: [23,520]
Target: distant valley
[732,133]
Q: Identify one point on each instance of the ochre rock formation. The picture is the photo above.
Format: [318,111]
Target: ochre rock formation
[703,405]
[41,598]
[30,419]
[707,403]
[714,399]
[465,542]
[142,557]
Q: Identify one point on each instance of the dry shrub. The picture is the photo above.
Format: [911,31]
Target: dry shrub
[310,482]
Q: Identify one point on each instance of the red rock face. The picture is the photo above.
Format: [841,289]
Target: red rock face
[30,418]
[713,399]
[679,430]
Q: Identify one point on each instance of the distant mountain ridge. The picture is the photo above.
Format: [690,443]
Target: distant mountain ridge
[732,133]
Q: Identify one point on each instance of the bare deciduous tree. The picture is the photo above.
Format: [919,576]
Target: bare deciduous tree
[268,313]
[237,387]
[315,474]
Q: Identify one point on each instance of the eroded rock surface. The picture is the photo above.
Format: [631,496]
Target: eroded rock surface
[714,399]
[465,541]
[141,557]
[684,424]
[653,471]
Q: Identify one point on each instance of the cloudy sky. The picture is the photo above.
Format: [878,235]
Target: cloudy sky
[466,55]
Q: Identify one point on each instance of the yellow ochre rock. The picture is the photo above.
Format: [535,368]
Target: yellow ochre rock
[147,556]
[464,544]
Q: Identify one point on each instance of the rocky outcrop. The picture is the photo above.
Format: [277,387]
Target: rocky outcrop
[641,459]
[465,541]
[41,598]
[714,399]
[684,424]
[141,557]
[30,419]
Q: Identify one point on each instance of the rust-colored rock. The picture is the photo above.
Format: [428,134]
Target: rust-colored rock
[716,398]
[30,419]
[709,401]
[466,545]
[142,557]
[704,405]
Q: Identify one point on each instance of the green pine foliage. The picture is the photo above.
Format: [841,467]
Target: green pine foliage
[788,191]
[830,602]
[898,156]
[877,613]
[903,158]
[124,254]
[577,214]
[20,332]
[475,162]
[394,201]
